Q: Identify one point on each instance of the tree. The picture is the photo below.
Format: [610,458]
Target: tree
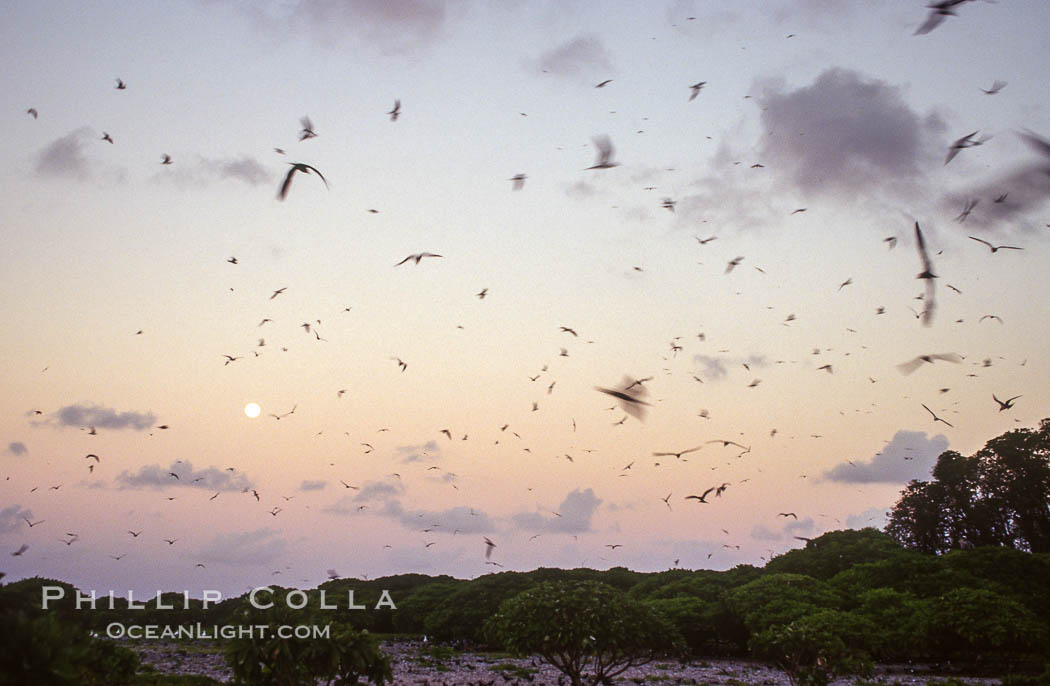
[587,630]
[996,497]
[780,599]
[835,551]
[266,658]
[817,647]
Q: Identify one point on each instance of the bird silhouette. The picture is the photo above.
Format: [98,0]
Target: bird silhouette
[927,275]
[935,417]
[605,152]
[1005,404]
[695,90]
[994,248]
[417,257]
[679,453]
[702,498]
[307,131]
[489,546]
[630,400]
[997,86]
[297,167]
[913,364]
[519,181]
[395,111]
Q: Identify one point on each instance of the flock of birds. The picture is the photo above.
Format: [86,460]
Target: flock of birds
[631,395]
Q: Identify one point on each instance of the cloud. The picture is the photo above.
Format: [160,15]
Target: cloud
[205,171]
[65,156]
[416,453]
[211,479]
[258,547]
[583,57]
[313,485]
[11,518]
[576,512]
[910,455]
[1027,190]
[789,527]
[17,448]
[717,368]
[392,26]
[845,133]
[873,516]
[84,416]
[453,521]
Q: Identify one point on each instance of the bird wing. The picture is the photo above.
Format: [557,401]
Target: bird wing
[980,240]
[287,183]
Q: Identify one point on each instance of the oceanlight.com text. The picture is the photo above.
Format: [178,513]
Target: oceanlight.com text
[213,631]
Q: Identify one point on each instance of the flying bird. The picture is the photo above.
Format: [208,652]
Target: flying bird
[926,274]
[935,417]
[604,83]
[788,514]
[939,11]
[630,400]
[702,497]
[966,141]
[913,364]
[519,181]
[605,153]
[489,545]
[733,263]
[21,549]
[308,129]
[121,85]
[997,86]
[32,112]
[165,159]
[395,112]
[679,453]
[994,248]
[970,205]
[417,257]
[1003,404]
[297,167]
[695,90]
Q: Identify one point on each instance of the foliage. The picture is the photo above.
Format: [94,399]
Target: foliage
[815,648]
[835,551]
[995,497]
[50,647]
[971,624]
[343,656]
[780,599]
[584,629]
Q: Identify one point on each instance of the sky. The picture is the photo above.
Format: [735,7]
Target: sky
[744,271]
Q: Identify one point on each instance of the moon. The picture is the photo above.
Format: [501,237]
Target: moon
[252,410]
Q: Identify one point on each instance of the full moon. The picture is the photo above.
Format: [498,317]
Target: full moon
[252,410]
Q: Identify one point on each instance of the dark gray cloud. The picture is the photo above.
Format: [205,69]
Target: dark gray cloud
[846,132]
[1027,190]
[573,516]
[313,485]
[65,156]
[11,518]
[258,547]
[84,416]
[584,57]
[17,448]
[211,479]
[910,455]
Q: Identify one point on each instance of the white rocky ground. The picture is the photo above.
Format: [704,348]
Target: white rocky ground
[416,664]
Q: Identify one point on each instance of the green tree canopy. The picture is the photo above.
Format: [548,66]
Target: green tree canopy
[588,630]
[999,496]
